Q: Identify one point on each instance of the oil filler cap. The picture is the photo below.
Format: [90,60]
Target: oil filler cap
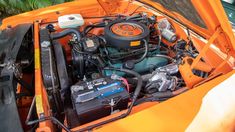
[126,34]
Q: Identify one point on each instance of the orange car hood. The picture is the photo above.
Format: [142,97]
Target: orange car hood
[210,12]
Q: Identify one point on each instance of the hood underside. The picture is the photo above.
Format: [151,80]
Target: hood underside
[204,17]
[184,8]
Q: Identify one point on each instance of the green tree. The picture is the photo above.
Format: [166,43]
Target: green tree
[13,7]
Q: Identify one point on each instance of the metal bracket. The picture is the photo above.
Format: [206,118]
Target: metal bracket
[206,47]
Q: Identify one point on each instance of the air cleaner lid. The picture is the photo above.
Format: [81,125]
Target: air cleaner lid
[126,34]
[127,29]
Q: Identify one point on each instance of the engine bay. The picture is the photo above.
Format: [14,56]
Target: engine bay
[81,65]
[111,65]
[97,67]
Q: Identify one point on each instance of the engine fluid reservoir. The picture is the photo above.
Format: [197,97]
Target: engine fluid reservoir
[70,21]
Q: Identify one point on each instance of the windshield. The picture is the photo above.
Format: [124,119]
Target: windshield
[229,7]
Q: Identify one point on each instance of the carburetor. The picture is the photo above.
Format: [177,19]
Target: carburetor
[162,79]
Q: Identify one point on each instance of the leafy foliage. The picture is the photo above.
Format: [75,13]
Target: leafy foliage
[12,7]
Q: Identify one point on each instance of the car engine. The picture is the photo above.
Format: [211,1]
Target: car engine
[111,65]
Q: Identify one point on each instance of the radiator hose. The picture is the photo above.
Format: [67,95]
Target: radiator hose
[65,33]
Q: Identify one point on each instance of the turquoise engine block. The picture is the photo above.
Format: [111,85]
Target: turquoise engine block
[148,64]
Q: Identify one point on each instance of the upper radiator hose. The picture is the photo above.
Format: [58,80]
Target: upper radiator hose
[65,33]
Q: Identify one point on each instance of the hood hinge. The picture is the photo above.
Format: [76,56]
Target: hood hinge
[206,47]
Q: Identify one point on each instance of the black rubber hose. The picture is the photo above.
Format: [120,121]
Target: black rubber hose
[145,53]
[134,98]
[88,28]
[127,54]
[133,17]
[139,80]
[65,33]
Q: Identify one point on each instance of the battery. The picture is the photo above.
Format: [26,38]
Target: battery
[98,98]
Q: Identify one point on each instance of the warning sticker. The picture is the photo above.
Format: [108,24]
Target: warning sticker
[39,104]
[135,43]
[37,59]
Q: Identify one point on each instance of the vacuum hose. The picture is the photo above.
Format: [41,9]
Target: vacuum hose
[145,53]
[131,63]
